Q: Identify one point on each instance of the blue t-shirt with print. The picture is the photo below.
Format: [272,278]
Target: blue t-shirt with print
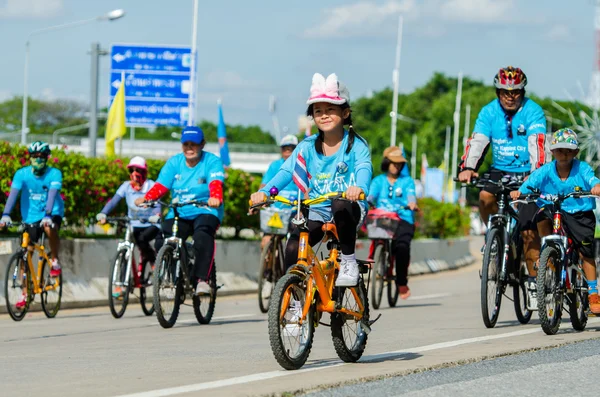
[290,191]
[510,154]
[330,174]
[34,193]
[392,198]
[127,192]
[188,184]
[547,180]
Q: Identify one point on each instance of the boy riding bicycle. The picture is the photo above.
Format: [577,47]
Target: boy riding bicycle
[562,176]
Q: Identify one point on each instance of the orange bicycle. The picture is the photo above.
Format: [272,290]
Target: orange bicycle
[22,279]
[307,290]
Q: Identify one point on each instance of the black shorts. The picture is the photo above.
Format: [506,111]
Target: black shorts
[35,230]
[580,228]
[527,212]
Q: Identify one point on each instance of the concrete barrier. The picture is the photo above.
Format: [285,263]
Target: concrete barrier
[86,264]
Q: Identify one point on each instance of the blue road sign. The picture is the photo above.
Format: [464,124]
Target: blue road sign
[157,83]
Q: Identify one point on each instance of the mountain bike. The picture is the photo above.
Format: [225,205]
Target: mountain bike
[275,224]
[307,290]
[560,275]
[503,260]
[173,274]
[381,228]
[126,274]
[23,279]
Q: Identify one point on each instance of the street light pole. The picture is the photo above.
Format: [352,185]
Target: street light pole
[111,16]
[192,95]
[93,133]
[396,81]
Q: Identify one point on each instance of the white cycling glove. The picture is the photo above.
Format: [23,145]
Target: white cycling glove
[47,221]
[154,219]
[5,220]
[101,217]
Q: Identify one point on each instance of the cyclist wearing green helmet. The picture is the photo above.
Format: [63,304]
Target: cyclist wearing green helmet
[42,207]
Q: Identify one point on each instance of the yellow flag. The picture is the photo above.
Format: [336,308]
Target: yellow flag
[115,125]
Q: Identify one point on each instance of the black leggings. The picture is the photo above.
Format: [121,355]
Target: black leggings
[203,230]
[401,246]
[143,236]
[346,216]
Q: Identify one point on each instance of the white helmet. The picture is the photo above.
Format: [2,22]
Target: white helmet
[289,140]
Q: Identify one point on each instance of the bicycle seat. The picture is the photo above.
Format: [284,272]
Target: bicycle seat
[330,232]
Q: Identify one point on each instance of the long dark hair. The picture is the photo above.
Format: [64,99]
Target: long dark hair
[352,134]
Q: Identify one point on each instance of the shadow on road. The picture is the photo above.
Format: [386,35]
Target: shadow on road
[379,358]
[408,306]
[225,322]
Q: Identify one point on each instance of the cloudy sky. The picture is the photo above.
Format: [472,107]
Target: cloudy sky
[249,50]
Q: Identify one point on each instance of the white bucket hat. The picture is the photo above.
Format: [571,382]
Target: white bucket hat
[329,90]
[137,162]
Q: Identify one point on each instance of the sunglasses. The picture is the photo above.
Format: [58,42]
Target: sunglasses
[37,155]
[511,94]
[133,169]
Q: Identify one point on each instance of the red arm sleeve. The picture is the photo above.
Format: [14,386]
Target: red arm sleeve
[156,192]
[216,190]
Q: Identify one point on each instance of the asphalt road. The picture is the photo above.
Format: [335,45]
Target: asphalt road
[87,352]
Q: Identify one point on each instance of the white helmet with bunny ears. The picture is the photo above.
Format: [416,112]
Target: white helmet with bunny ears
[329,90]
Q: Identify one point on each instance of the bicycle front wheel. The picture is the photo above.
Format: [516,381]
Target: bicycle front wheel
[491,290]
[380,271]
[17,283]
[266,275]
[291,337]
[168,287]
[118,290]
[147,288]
[550,297]
[204,305]
[348,332]
[51,291]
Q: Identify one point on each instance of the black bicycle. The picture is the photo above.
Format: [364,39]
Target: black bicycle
[503,260]
[173,277]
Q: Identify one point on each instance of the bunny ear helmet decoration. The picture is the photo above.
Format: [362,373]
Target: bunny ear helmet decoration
[329,90]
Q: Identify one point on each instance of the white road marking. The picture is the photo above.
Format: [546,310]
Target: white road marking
[276,374]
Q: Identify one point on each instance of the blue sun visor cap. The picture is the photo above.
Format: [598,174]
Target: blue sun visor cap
[192,134]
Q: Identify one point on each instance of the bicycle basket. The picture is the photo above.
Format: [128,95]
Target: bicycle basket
[381,226]
[275,220]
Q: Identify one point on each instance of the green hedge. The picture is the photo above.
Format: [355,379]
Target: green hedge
[88,183]
[441,220]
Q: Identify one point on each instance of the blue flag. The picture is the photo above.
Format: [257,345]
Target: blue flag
[222,135]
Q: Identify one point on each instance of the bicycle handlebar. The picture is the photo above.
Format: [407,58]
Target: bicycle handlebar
[306,203]
[554,198]
[126,219]
[176,204]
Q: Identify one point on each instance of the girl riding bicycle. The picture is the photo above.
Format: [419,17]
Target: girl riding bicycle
[562,176]
[193,175]
[394,191]
[137,186]
[336,159]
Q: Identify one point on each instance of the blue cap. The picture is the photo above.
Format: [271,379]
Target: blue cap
[192,134]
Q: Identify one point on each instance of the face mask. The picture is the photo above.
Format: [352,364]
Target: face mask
[39,165]
[137,180]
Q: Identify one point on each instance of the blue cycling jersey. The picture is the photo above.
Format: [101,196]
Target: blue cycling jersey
[34,193]
[393,197]
[546,179]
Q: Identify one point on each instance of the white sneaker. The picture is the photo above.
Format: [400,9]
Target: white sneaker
[532,296]
[348,276]
[292,328]
[202,288]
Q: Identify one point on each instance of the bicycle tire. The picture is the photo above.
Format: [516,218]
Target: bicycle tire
[392,288]
[50,306]
[380,270]
[493,239]
[147,283]
[548,286]
[118,270]
[210,302]
[263,275]
[578,302]
[339,320]
[520,290]
[12,271]
[164,274]
[277,327]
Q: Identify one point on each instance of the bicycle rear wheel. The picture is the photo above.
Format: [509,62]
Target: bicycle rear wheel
[291,339]
[16,284]
[266,275]
[118,291]
[168,287]
[204,305]
[51,291]
[380,271]
[347,332]
[578,302]
[491,289]
[147,288]
[550,297]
